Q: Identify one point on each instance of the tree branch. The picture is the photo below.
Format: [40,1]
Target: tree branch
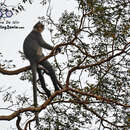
[94,112]
[14,72]
[95,64]
[98,97]
[18,122]
[33,109]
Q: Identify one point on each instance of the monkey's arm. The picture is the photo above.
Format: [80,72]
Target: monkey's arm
[43,44]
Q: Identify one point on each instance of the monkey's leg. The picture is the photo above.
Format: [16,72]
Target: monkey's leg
[52,74]
[43,85]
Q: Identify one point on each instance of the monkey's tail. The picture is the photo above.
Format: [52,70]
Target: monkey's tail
[34,71]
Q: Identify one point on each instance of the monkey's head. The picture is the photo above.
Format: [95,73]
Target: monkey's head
[39,27]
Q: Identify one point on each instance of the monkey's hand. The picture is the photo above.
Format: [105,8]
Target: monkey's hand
[58,50]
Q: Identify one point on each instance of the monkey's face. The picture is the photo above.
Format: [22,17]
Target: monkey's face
[40,29]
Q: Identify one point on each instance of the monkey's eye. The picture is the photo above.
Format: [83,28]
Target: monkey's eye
[39,27]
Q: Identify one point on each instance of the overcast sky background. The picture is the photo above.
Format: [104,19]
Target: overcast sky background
[11,41]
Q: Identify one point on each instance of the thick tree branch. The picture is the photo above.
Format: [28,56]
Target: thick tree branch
[33,109]
[47,102]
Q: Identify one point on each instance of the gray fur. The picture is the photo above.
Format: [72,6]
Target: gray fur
[32,48]
[33,45]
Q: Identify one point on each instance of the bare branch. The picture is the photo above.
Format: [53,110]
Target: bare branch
[18,122]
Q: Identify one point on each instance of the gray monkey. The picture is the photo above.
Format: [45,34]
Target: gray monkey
[32,48]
